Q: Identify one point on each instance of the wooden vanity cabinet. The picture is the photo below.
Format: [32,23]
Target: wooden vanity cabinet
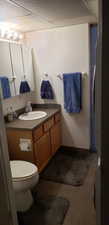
[42,150]
[15,153]
[55,133]
[55,137]
[45,141]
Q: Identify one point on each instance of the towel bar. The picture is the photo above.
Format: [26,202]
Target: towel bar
[83,73]
[12,79]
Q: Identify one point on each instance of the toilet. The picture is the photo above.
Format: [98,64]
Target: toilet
[24,177]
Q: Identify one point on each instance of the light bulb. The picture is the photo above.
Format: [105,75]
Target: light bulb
[15,36]
[9,34]
[20,36]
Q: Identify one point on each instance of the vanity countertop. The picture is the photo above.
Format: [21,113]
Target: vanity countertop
[32,124]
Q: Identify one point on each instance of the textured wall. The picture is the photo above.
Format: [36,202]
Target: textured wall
[64,50]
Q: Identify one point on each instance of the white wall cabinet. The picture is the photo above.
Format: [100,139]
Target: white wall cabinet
[28,66]
[11,64]
[5,64]
[17,65]
[22,65]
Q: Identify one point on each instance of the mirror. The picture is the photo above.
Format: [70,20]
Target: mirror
[16,65]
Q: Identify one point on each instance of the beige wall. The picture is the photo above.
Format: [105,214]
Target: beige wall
[64,50]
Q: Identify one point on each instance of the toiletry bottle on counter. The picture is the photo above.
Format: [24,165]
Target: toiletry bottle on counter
[28,107]
[10,116]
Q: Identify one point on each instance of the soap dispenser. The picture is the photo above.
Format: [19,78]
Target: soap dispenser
[28,107]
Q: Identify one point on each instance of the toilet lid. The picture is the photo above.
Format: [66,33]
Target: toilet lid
[22,169]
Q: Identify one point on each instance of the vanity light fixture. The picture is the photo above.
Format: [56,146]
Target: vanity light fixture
[10,35]
[8,31]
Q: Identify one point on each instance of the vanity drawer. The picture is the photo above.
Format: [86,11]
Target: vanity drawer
[37,133]
[57,117]
[48,124]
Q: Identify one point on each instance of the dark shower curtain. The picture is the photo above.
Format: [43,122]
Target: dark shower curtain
[93,46]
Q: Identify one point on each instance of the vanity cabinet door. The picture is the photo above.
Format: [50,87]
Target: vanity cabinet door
[5,64]
[55,137]
[42,150]
[15,152]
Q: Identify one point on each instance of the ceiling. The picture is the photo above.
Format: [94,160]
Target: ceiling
[29,15]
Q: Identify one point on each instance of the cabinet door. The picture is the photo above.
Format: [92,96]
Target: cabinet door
[5,64]
[55,137]
[17,65]
[15,152]
[28,66]
[42,151]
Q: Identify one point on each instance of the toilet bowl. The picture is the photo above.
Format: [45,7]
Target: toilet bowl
[24,177]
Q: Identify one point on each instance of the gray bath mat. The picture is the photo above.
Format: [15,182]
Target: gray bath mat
[46,211]
[69,167]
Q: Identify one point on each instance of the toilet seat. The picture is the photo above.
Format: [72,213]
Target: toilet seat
[22,170]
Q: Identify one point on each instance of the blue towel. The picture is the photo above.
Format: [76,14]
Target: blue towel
[72,92]
[5,87]
[46,90]
[24,87]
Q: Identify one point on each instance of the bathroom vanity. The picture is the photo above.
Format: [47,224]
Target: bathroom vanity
[35,141]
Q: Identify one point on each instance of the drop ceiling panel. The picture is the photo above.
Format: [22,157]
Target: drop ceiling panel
[31,22]
[28,15]
[93,6]
[79,20]
[8,10]
[57,9]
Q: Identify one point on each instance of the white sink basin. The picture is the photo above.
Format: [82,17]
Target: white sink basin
[33,115]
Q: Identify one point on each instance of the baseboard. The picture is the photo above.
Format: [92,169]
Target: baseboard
[68,148]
